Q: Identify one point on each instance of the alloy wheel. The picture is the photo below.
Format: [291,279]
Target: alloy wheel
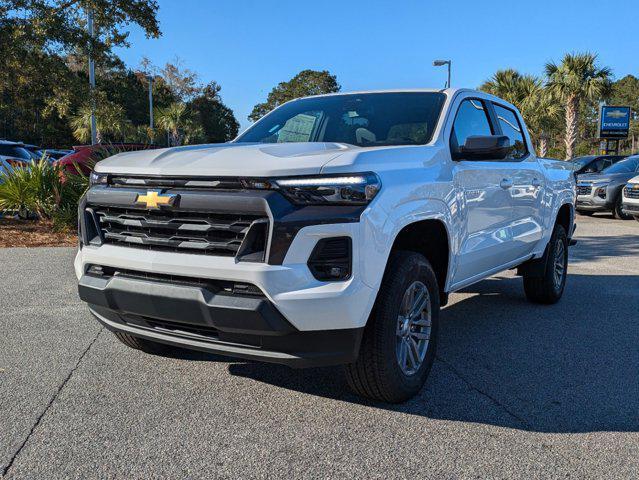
[413,328]
[559,265]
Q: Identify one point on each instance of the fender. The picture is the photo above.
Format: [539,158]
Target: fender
[564,197]
[379,234]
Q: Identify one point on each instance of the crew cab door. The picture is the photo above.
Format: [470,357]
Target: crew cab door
[484,198]
[528,183]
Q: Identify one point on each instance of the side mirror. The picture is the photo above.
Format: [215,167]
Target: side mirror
[485,147]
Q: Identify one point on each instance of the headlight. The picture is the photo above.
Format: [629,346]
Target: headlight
[98,178]
[349,189]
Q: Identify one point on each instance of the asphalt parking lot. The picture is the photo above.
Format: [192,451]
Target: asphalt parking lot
[517,391]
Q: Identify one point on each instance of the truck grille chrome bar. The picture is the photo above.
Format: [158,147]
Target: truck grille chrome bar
[179,231]
[631,192]
[584,189]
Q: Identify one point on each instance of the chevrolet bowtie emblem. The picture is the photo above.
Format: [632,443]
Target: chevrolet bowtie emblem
[154,199]
[616,114]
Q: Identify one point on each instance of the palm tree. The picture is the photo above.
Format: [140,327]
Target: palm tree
[178,121]
[541,111]
[538,107]
[507,84]
[575,80]
[110,120]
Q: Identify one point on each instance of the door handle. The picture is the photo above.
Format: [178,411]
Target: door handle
[536,183]
[506,183]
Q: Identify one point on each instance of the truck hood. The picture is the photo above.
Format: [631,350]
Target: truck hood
[227,159]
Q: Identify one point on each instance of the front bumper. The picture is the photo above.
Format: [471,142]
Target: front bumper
[297,320]
[194,317]
[593,203]
[630,207]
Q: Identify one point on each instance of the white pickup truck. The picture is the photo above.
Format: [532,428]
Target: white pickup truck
[330,232]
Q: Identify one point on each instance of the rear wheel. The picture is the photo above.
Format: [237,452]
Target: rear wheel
[618,211]
[549,287]
[398,347]
[147,346]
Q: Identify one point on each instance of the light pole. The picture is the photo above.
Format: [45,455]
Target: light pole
[441,63]
[94,135]
[150,79]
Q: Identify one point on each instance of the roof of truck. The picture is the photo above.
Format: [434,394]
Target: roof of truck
[396,90]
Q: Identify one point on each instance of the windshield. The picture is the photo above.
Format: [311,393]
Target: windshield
[629,165]
[366,120]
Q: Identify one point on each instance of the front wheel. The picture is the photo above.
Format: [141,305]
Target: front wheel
[398,347]
[549,287]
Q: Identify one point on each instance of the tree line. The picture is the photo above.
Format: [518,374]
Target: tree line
[561,109]
[44,87]
[45,96]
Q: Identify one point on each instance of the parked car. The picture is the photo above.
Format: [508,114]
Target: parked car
[330,232]
[601,192]
[84,157]
[630,202]
[594,163]
[51,154]
[54,154]
[14,154]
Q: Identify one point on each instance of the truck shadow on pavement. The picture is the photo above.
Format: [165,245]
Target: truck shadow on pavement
[566,368]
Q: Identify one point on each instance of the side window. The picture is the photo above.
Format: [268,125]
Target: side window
[511,127]
[471,119]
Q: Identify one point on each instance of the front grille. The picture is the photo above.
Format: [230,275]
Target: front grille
[584,189]
[631,208]
[180,231]
[631,192]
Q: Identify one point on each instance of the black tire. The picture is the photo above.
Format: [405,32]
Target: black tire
[377,373]
[585,213]
[618,212]
[147,346]
[548,289]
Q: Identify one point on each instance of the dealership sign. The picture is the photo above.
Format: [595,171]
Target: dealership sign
[614,122]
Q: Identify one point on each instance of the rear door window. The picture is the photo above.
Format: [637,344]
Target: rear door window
[511,127]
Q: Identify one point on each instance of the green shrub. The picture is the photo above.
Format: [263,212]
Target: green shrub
[45,190]
[16,190]
[42,189]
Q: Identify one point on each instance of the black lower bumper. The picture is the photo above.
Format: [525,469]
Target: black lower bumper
[593,207]
[193,317]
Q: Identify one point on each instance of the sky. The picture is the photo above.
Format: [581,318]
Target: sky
[248,46]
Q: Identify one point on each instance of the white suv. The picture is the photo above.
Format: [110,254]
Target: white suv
[330,232]
[630,198]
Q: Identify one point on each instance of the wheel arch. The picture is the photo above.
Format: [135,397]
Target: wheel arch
[429,237]
[566,217]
